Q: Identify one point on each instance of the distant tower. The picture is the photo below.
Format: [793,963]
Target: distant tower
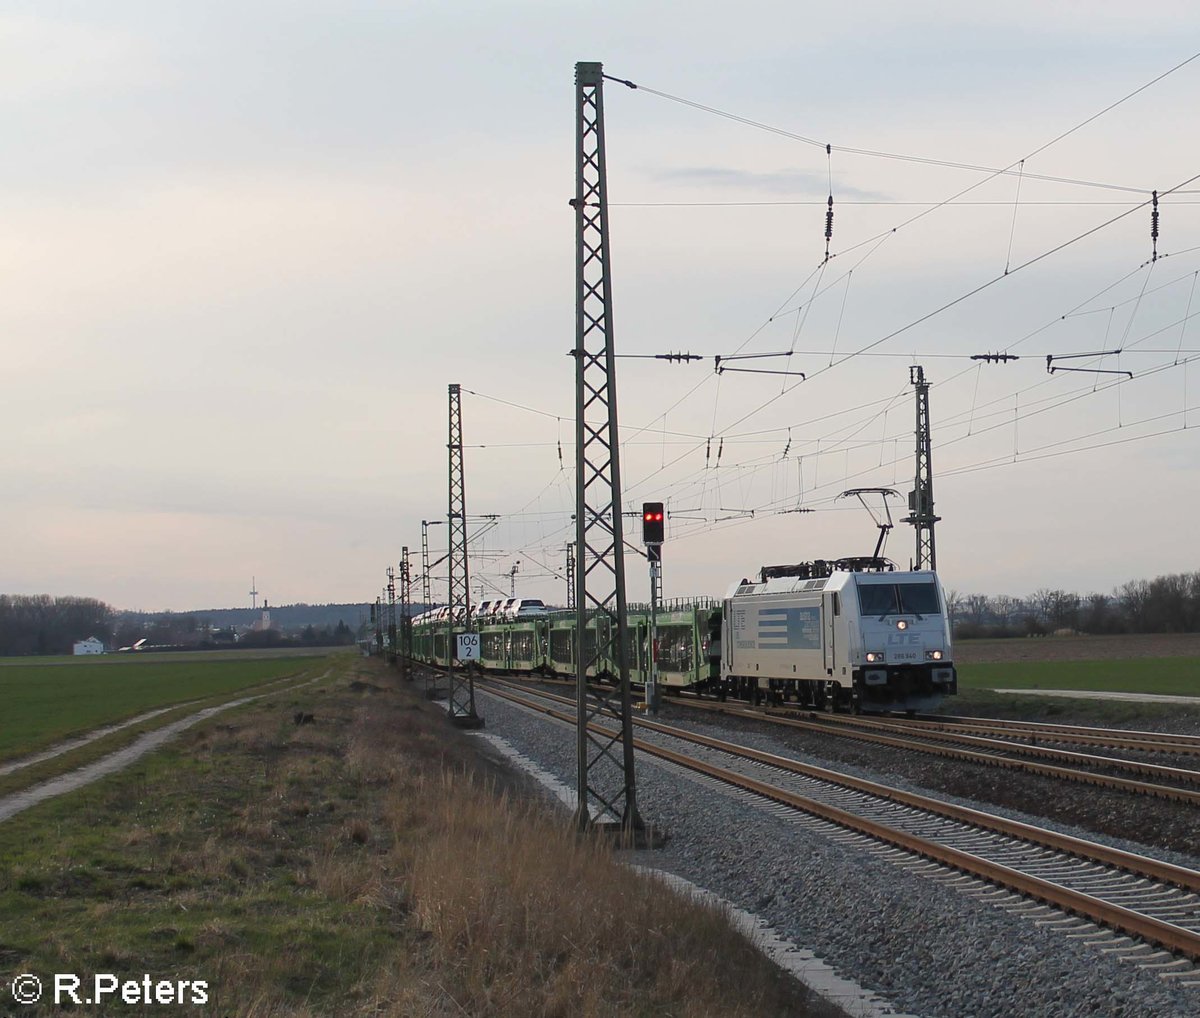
[920,499]
[253,593]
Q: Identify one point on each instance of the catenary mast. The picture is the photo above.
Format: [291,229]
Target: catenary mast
[606,788]
[920,499]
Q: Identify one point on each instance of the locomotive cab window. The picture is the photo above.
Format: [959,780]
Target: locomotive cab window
[916,598]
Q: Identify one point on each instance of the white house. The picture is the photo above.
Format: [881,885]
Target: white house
[89,646]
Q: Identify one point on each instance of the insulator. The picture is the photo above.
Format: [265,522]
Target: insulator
[1154,226]
[829,220]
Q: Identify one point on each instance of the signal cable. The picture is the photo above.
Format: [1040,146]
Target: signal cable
[1187,314]
[894,229]
[958,300]
[927,160]
[1013,231]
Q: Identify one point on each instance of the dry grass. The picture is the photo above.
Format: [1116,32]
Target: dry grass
[369,863]
[533,920]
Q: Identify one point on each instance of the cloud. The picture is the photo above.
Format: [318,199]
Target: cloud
[792,182]
[44,58]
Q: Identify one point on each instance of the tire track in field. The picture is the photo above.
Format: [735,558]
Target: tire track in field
[17,802]
[58,749]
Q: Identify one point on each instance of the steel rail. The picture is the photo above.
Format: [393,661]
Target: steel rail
[1117,738]
[1128,739]
[1156,869]
[1168,935]
[1170,792]
[1001,745]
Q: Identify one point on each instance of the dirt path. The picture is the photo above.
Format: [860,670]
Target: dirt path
[65,747]
[17,802]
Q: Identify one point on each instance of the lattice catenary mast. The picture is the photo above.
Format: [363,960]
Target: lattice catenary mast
[426,593]
[606,787]
[391,615]
[405,615]
[920,499]
[461,695]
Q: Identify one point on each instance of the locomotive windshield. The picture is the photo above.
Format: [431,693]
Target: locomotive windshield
[914,598]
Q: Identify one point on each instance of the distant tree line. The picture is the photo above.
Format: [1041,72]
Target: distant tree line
[288,618]
[40,624]
[168,629]
[1167,604]
[340,635]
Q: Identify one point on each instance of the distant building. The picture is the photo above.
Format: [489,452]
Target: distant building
[89,646]
[262,624]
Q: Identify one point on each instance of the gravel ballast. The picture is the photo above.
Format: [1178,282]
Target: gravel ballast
[926,947]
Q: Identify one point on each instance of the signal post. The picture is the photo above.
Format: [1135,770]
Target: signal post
[653,533]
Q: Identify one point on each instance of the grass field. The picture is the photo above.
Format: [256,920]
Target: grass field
[368,864]
[176,656]
[1177,676]
[44,703]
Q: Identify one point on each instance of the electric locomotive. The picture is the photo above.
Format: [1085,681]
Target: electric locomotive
[844,634]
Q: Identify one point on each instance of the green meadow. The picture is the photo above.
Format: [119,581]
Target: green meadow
[1177,676]
[45,702]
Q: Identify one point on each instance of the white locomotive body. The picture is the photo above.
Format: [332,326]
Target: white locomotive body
[851,633]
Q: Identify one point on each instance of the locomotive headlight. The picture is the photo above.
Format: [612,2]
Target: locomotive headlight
[933,655]
[902,624]
[873,657]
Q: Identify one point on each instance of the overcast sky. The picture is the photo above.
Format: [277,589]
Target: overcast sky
[246,247]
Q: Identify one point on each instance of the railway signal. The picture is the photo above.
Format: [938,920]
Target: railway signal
[653,529]
[653,535]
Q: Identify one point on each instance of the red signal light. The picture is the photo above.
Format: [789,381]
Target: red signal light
[652,522]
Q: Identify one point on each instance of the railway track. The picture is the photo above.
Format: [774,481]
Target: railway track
[1011,744]
[956,739]
[1079,735]
[982,750]
[1096,888]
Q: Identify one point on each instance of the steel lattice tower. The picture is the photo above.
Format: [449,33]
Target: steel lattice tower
[606,787]
[426,593]
[405,615]
[391,614]
[461,695]
[920,499]
[570,576]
